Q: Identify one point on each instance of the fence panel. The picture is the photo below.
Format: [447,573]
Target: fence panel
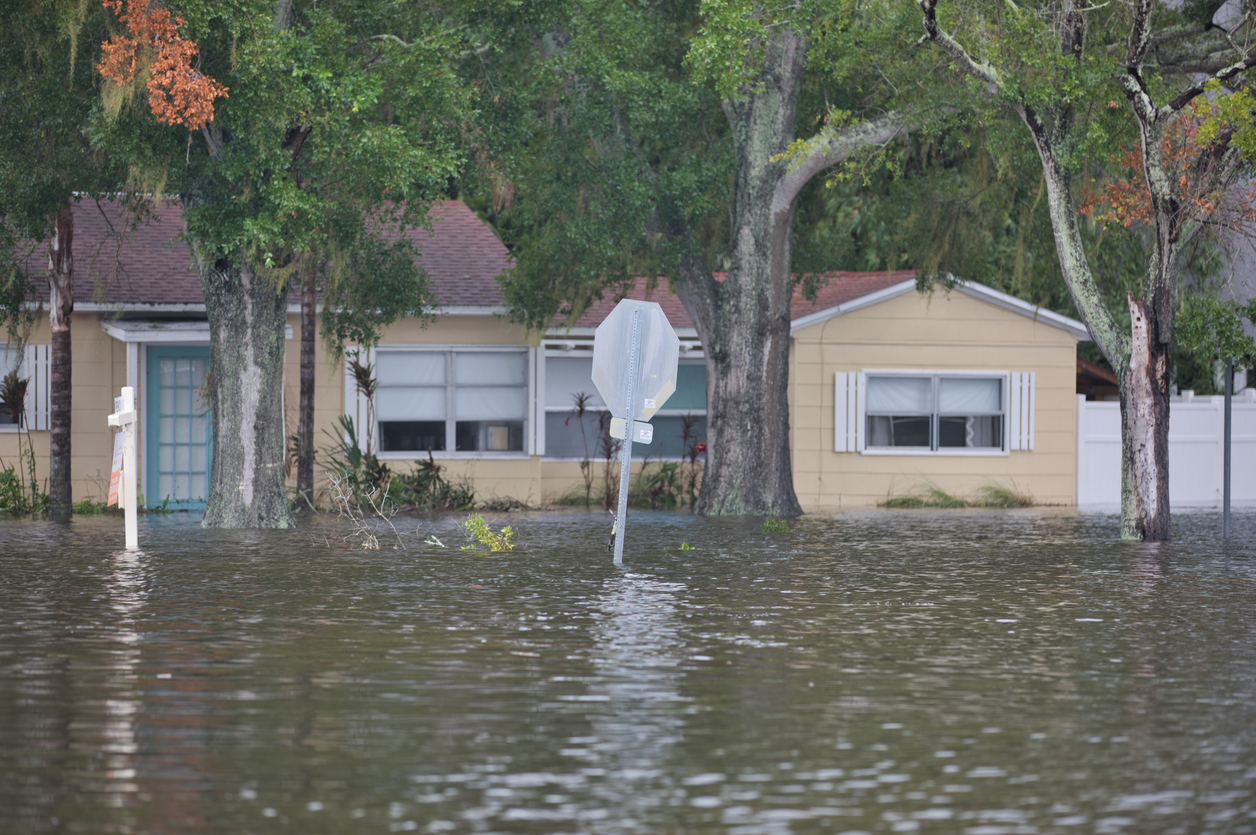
[1195,452]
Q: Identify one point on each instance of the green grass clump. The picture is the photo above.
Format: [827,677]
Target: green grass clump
[776,526]
[930,495]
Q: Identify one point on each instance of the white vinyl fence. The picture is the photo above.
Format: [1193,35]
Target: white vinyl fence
[1195,451]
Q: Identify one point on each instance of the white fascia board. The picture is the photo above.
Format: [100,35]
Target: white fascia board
[588,333]
[158,332]
[137,307]
[828,313]
[1039,314]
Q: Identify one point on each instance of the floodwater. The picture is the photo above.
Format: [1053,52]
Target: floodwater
[952,672]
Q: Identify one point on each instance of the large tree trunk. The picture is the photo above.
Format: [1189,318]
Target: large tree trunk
[744,322]
[60,306]
[305,420]
[246,347]
[1144,394]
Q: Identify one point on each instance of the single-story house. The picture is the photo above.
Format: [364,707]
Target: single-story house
[888,388]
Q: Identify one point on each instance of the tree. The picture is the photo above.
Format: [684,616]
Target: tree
[47,97]
[663,139]
[1054,66]
[318,108]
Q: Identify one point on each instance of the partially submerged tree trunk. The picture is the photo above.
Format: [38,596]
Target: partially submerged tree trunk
[1144,389]
[60,306]
[247,315]
[305,418]
[744,322]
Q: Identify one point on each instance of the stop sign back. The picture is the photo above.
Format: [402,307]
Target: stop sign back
[658,355]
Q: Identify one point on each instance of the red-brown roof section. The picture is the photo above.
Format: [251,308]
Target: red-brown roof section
[838,288]
[152,264]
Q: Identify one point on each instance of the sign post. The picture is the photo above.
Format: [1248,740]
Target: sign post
[122,481]
[635,356]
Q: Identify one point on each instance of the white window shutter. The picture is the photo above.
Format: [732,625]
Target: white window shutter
[1020,416]
[37,368]
[840,393]
[355,401]
[845,411]
[861,392]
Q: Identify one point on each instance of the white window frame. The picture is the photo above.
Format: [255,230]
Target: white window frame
[354,407]
[574,347]
[861,413]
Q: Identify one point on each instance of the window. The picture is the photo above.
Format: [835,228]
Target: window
[566,376]
[473,400]
[10,360]
[934,412]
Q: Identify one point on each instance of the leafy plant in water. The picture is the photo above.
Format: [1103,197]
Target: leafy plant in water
[480,532]
[775,526]
[581,400]
[658,489]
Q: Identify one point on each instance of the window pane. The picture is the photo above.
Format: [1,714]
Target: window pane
[969,395]
[489,436]
[690,388]
[668,437]
[412,435]
[900,394]
[563,438]
[981,432]
[898,431]
[566,376]
[410,404]
[490,402]
[410,368]
[491,369]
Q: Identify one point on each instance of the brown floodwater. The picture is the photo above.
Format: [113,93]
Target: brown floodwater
[953,672]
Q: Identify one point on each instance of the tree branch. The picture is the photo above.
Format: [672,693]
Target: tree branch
[1221,76]
[832,145]
[982,72]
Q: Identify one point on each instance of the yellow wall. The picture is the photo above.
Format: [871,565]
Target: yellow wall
[941,332]
[935,333]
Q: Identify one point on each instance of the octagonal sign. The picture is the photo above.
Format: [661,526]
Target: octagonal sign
[644,325]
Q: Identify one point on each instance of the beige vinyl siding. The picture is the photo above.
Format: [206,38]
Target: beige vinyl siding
[942,332]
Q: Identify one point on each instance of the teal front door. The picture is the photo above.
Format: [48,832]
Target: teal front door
[178,437]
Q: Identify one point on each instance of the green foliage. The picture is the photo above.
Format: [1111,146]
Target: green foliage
[19,492]
[685,546]
[479,531]
[345,459]
[775,526]
[1213,328]
[425,489]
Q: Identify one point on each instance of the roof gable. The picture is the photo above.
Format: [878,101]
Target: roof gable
[972,289]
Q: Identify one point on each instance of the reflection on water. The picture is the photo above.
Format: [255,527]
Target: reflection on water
[967,672]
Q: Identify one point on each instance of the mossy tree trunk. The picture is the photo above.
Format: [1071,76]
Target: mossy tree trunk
[744,321]
[247,317]
[305,417]
[60,306]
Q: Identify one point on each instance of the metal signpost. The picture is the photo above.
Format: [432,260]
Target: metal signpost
[635,356]
[122,481]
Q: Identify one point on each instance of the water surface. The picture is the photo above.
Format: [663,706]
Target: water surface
[962,671]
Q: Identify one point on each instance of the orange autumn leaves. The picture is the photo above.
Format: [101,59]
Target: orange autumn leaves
[1184,149]
[178,94]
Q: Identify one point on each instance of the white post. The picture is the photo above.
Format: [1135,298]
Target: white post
[125,419]
[625,458]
